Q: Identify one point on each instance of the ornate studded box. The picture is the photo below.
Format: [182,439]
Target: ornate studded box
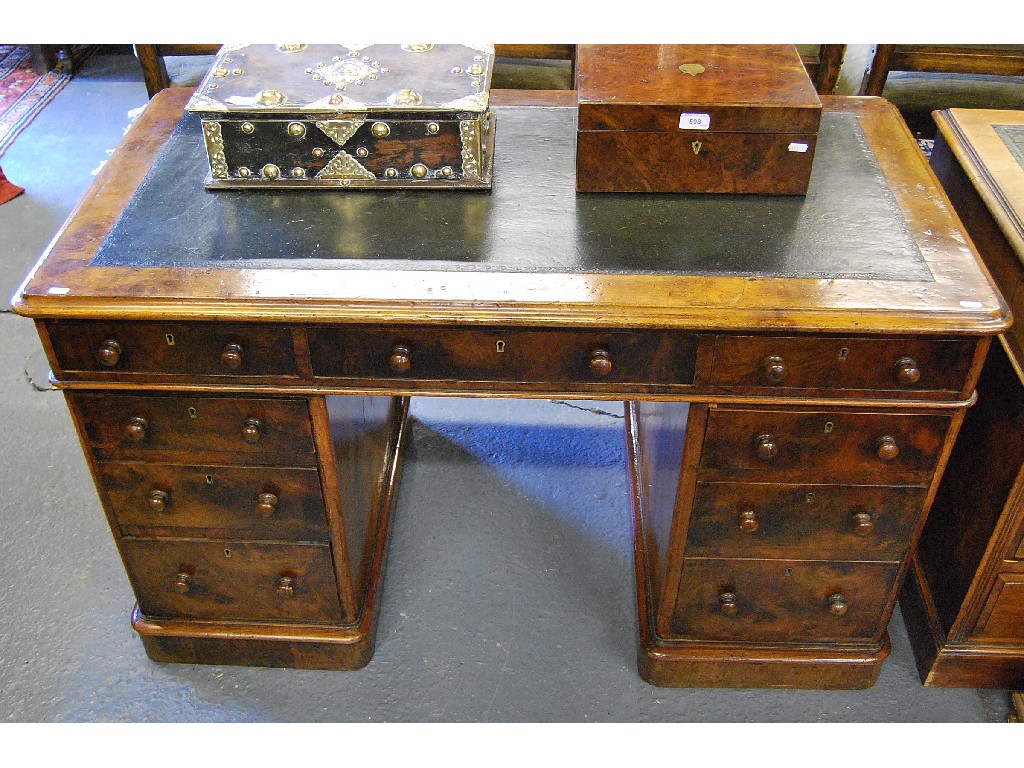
[695,118]
[383,116]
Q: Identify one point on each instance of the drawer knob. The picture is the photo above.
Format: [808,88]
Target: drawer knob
[252,431]
[600,362]
[182,582]
[837,604]
[767,447]
[728,603]
[401,359]
[863,524]
[774,369]
[748,521]
[266,504]
[907,371]
[109,353]
[158,500]
[231,355]
[285,586]
[137,428]
[887,448]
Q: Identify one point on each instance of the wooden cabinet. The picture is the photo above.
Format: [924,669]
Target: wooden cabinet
[963,601]
[796,370]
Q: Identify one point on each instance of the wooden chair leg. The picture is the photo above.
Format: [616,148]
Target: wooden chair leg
[830,62]
[154,71]
[878,71]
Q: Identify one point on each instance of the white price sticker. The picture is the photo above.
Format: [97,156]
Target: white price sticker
[798,146]
[694,121]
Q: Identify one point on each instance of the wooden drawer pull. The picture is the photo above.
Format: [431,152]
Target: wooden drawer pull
[766,446]
[182,582]
[837,604]
[774,369]
[266,504]
[887,448]
[286,586]
[907,371]
[252,431]
[231,356]
[109,353]
[863,524]
[158,500]
[728,603]
[748,521]
[600,362]
[401,359]
[137,428]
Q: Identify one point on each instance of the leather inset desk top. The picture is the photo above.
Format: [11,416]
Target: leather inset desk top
[1013,137]
[848,226]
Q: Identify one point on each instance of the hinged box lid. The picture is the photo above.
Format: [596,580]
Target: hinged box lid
[330,79]
[752,88]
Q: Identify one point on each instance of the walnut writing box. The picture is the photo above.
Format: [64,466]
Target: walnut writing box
[385,116]
[695,118]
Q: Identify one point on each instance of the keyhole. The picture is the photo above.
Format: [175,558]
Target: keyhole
[499,346]
[192,413]
[810,498]
[789,571]
[170,339]
[844,353]
[829,426]
[209,479]
[227,553]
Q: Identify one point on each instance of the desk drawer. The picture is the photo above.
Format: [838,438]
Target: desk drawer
[842,522]
[901,366]
[810,446]
[520,356]
[261,430]
[98,349]
[280,503]
[781,600]
[1003,616]
[185,578]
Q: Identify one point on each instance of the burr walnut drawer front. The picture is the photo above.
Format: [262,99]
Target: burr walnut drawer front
[589,358]
[781,600]
[813,446]
[97,349]
[186,578]
[904,366]
[843,522]
[281,503]
[260,430]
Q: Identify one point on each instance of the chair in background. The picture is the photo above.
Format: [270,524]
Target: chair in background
[823,63]
[1006,60]
[154,69]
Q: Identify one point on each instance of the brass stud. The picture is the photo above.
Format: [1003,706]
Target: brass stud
[212,86]
[238,70]
[353,54]
[346,182]
[373,77]
[244,172]
[298,130]
[248,127]
[374,63]
[309,70]
[220,72]
[228,60]
[386,69]
[318,76]
[433,128]
[476,69]
[419,170]
[362,152]
[366,58]
[298,172]
[318,152]
[359,82]
[271,171]
[328,82]
[447,171]
[380,130]
[390,173]
[456,70]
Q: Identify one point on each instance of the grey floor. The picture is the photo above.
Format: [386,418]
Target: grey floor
[508,595]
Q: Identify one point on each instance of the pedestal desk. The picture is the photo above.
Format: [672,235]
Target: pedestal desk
[238,366]
[964,598]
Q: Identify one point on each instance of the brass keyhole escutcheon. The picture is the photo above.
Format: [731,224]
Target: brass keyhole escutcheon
[499,346]
[193,413]
[209,479]
[227,553]
[696,147]
[810,498]
[844,353]
[170,339]
[829,426]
